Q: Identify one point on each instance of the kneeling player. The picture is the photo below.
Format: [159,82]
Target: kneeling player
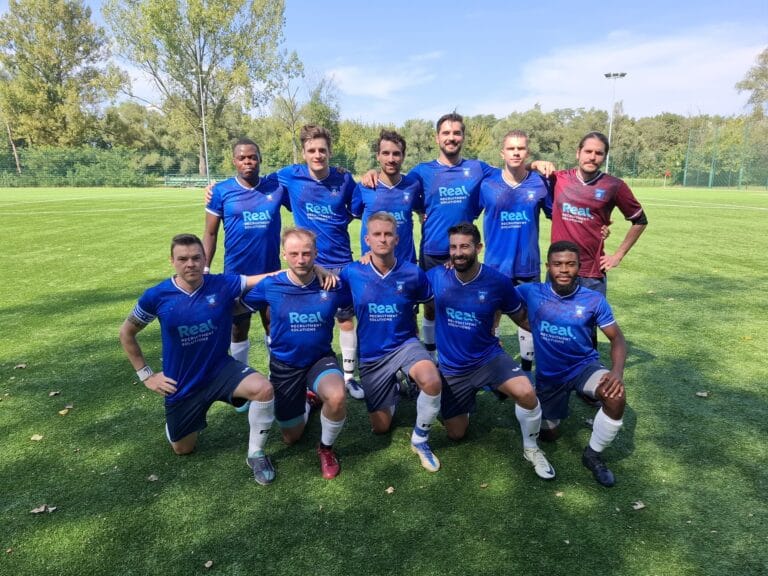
[301,330]
[195,314]
[468,298]
[384,292]
[562,316]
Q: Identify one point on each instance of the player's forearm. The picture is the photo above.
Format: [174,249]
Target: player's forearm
[209,247]
[618,353]
[131,347]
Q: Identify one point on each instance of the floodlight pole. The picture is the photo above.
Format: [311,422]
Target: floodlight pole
[611,76]
[202,117]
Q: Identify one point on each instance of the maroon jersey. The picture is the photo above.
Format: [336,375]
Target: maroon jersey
[580,209]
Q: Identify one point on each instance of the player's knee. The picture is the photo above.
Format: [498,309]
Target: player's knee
[335,398]
[182,449]
[456,433]
[614,407]
[292,435]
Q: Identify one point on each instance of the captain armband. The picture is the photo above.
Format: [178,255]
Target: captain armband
[640,219]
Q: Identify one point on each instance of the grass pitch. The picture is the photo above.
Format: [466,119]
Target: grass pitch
[691,298]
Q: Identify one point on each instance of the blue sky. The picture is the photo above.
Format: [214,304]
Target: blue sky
[420,58]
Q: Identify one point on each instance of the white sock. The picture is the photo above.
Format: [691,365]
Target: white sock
[348,344]
[604,430]
[330,429]
[530,424]
[268,343]
[428,333]
[427,408]
[260,418]
[525,339]
[239,350]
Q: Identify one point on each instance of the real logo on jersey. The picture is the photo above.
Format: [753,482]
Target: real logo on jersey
[374,308]
[599,194]
[187,330]
[513,216]
[460,315]
[308,318]
[262,216]
[576,210]
[457,192]
[319,209]
[555,330]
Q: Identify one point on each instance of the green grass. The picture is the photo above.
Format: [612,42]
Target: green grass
[691,298]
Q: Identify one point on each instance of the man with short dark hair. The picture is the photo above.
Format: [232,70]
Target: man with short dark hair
[563,314]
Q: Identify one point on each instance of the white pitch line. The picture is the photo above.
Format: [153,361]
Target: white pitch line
[94,211]
[705,205]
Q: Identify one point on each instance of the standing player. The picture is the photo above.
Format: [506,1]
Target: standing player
[301,357]
[583,199]
[562,315]
[320,197]
[398,194]
[195,313]
[250,209]
[468,298]
[384,292]
[513,198]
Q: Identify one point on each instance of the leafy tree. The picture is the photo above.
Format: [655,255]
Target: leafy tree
[227,51]
[52,59]
[756,82]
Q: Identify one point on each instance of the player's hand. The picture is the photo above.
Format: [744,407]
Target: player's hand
[209,191]
[611,385]
[543,167]
[605,231]
[608,261]
[370,179]
[365,259]
[161,384]
[327,280]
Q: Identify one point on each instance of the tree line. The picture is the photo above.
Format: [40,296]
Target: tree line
[224,61]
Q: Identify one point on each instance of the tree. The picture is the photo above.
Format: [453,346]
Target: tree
[756,82]
[52,58]
[227,51]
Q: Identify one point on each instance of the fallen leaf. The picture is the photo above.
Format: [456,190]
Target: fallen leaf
[54,393]
[42,508]
[746,338]
[670,299]
[559,494]
[702,394]
[208,564]
[390,490]
[484,485]
[152,478]
[651,292]
[69,406]
[37,437]
[20,366]
[64,412]
[638,505]
[9,550]
[567,541]
[617,509]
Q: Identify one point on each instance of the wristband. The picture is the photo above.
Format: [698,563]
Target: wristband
[206,269]
[144,373]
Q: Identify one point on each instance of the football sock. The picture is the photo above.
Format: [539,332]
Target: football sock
[427,408]
[604,430]
[330,429]
[530,423]
[239,350]
[348,344]
[260,418]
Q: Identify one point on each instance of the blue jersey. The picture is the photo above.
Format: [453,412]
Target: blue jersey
[384,305]
[511,224]
[465,314]
[195,327]
[451,195]
[401,201]
[323,207]
[562,329]
[251,224]
[301,317]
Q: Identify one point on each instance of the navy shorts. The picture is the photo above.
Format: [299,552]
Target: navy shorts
[429,261]
[459,390]
[188,414]
[291,386]
[378,378]
[554,396]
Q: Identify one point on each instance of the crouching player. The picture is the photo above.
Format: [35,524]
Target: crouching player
[301,331]
[468,298]
[562,315]
[195,314]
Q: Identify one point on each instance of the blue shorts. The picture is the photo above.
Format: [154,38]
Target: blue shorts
[188,414]
[596,284]
[378,377]
[291,386]
[459,390]
[554,396]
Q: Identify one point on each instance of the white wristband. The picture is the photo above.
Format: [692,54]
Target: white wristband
[144,373]
[206,269]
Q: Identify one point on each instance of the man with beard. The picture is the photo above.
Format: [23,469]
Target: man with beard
[249,206]
[468,298]
[563,314]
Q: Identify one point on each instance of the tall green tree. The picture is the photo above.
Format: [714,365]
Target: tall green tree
[204,55]
[756,82]
[55,77]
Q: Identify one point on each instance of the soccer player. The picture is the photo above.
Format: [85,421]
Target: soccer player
[301,357]
[468,297]
[562,314]
[583,199]
[250,209]
[398,194]
[384,292]
[513,199]
[320,197]
[195,313]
